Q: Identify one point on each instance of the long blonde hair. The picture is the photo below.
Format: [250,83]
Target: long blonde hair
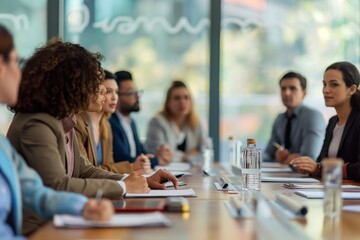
[192,118]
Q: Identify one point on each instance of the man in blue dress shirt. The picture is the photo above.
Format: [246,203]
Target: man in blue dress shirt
[300,130]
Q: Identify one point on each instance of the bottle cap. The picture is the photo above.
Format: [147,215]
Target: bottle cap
[251,141]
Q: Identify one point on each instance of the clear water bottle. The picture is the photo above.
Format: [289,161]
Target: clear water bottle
[251,166]
[208,153]
[231,151]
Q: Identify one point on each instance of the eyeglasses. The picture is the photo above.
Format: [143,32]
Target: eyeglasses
[131,93]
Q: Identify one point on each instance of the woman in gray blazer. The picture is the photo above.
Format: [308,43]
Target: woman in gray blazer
[177,125]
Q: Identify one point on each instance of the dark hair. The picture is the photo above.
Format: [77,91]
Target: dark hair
[351,77]
[291,74]
[122,76]
[192,119]
[6,43]
[59,79]
[109,75]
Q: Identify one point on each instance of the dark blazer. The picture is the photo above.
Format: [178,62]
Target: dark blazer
[121,146]
[349,148]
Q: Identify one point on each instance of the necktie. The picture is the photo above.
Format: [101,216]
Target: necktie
[288,132]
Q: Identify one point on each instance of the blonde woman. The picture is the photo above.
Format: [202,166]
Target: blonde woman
[177,125]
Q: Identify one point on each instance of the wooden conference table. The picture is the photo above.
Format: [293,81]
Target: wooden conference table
[209,219]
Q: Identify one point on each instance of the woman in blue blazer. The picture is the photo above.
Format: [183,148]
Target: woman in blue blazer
[20,186]
[342,138]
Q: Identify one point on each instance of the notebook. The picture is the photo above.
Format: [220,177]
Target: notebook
[139,205]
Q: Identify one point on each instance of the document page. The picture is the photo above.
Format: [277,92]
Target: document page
[289,179]
[175,166]
[165,193]
[118,220]
[320,194]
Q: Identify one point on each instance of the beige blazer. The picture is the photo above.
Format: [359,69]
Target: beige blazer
[40,139]
[87,147]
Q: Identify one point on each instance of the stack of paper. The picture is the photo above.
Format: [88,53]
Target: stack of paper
[319,194]
[273,164]
[288,179]
[352,208]
[274,170]
[316,186]
[165,193]
[118,220]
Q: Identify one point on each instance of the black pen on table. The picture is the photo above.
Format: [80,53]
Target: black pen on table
[224,184]
[177,176]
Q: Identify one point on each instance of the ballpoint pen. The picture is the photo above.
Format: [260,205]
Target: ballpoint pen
[177,176]
[278,146]
[98,196]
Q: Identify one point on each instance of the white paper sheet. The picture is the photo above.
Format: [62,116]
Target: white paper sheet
[175,166]
[165,193]
[118,220]
[181,172]
[274,170]
[272,164]
[320,194]
[317,186]
[352,208]
[289,179]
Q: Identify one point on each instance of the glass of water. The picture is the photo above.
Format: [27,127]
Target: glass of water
[332,180]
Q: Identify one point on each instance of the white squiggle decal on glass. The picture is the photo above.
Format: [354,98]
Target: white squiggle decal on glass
[78,19]
[128,25]
[20,22]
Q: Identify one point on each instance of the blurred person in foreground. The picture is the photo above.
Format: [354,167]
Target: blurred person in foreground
[20,186]
[60,80]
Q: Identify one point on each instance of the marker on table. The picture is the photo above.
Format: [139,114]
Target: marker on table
[224,183]
[237,204]
[98,196]
[292,205]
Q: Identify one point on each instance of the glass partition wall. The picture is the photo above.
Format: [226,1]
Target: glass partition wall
[162,40]
[157,41]
[262,40]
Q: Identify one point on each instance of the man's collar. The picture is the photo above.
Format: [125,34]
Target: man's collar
[295,112]
[123,117]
